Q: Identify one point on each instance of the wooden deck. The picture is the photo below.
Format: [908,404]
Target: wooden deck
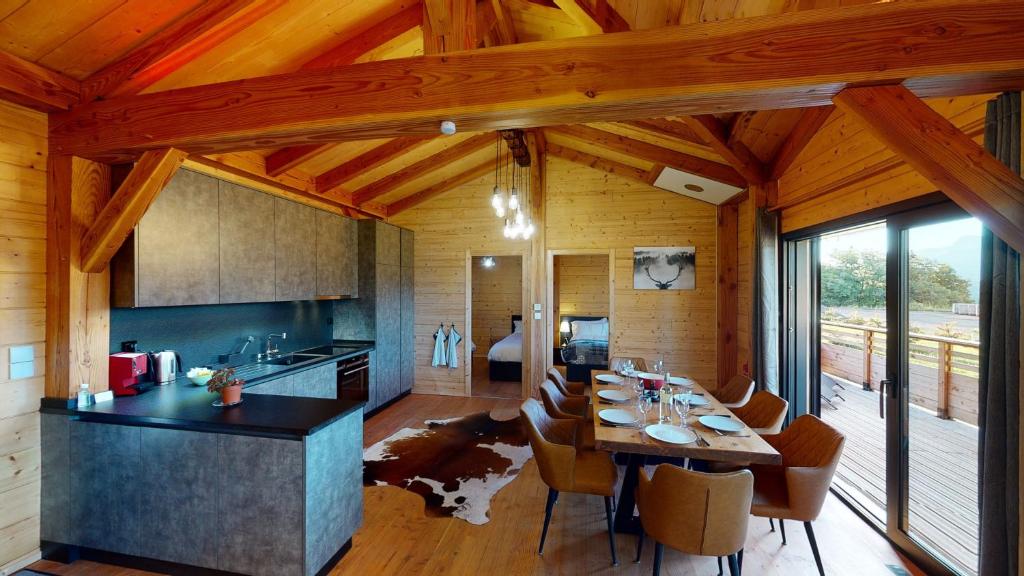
[943,473]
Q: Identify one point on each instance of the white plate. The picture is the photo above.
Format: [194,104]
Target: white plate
[617,396]
[649,376]
[617,416]
[680,381]
[671,434]
[695,401]
[609,378]
[721,423]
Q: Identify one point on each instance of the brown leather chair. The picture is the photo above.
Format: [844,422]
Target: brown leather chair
[764,413]
[567,388]
[559,405]
[695,513]
[564,468]
[616,363]
[796,490]
[736,392]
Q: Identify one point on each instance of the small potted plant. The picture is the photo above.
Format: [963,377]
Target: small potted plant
[229,387]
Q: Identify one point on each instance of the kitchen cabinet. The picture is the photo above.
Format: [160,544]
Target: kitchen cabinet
[294,250]
[388,341]
[172,258]
[337,273]
[319,382]
[283,386]
[407,358]
[246,268]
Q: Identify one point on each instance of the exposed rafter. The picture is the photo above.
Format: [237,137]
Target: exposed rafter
[367,161]
[598,163]
[598,18]
[449,26]
[31,85]
[654,154]
[190,36]
[440,188]
[379,33]
[943,154]
[674,129]
[692,69]
[811,120]
[712,131]
[418,169]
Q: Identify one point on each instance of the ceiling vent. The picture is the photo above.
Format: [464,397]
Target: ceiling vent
[695,186]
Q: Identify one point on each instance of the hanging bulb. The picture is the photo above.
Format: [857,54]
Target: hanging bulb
[500,211]
[498,199]
[520,220]
[529,230]
[513,201]
[507,231]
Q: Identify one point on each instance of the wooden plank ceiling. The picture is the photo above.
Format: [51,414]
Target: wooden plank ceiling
[114,48]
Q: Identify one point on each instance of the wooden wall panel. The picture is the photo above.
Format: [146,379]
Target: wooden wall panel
[22,314]
[745,287]
[582,286]
[587,208]
[497,295]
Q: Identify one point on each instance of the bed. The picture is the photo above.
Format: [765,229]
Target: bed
[586,351]
[505,358]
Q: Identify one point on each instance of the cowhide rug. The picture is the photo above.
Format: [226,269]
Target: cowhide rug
[456,465]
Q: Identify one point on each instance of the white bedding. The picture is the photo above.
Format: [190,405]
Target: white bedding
[508,349]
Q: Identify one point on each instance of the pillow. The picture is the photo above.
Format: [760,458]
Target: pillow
[517,326]
[590,330]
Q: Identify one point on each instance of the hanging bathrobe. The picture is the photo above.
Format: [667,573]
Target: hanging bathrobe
[453,342]
[440,357]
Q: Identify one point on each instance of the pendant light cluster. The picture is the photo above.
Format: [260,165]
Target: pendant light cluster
[511,196]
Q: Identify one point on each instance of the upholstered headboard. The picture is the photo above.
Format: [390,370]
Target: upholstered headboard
[571,319]
[512,323]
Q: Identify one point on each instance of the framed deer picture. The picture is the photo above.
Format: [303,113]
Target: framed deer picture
[664,268]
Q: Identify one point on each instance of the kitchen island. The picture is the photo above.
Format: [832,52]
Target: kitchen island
[167,481]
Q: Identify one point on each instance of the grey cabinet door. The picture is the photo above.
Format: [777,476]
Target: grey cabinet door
[407,356]
[319,382]
[372,397]
[279,387]
[408,238]
[246,245]
[389,244]
[178,244]
[336,251]
[294,250]
[389,328]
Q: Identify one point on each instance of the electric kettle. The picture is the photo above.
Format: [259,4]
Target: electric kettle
[166,364]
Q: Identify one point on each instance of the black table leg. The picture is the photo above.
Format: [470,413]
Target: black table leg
[625,521]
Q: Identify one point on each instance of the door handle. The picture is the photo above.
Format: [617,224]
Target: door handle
[881,398]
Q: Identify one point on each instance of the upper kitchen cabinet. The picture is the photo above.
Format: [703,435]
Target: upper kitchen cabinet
[294,250]
[380,242]
[246,268]
[173,256]
[337,273]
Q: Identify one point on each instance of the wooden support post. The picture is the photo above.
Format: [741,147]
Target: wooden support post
[728,291]
[126,208]
[77,303]
[945,370]
[869,349]
[536,340]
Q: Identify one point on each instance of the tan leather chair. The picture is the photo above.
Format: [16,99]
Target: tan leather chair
[695,513]
[736,392]
[564,468]
[796,490]
[638,363]
[567,388]
[764,413]
[559,405]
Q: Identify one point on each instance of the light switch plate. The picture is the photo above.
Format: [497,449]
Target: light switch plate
[22,353]
[536,307]
[536,315]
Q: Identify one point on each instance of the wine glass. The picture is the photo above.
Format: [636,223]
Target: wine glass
[681,404]
[643,405]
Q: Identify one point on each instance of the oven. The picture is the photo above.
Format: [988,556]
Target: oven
[354,378]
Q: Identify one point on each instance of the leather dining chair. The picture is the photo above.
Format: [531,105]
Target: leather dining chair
[796,489]
[764,413]
[736,392]
[695,513]
[565,468]
[568,388]
[558,405]
[615,364]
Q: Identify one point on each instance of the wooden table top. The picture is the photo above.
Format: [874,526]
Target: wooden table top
[732,449]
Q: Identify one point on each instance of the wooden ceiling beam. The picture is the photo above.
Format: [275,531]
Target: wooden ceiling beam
[34,86]
[367,161]
[673,129]
[435,190]
[379,33]
[713,131]
[693,69]
[189,37]
[600,18]
[286,159]
[416,170]
[124,210]
[449,26]
[505,28]
[602,164]
[654,154]
[942,153]
[811,120]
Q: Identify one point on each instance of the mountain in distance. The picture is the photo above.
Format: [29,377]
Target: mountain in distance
[962,255]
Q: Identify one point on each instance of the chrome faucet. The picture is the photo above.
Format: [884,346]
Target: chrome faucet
[271,347]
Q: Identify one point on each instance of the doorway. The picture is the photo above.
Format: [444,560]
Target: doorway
[882,343]
[494,317]
[580,287]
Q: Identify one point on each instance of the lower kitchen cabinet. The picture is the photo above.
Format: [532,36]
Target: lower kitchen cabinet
[319,382]
[282,386]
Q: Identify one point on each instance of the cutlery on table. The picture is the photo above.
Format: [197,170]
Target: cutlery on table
[720,433]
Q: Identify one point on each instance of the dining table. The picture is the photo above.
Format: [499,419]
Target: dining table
[740,448]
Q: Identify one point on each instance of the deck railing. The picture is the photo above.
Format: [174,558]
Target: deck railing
[943,371]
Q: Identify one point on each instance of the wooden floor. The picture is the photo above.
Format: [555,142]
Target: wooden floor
[484,387]
[396,538]
[943,494]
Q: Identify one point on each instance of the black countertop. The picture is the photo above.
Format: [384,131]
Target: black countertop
[183,406]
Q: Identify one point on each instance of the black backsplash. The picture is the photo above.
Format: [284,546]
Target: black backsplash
[201,333]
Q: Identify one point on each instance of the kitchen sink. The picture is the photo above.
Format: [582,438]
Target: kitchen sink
[296,358]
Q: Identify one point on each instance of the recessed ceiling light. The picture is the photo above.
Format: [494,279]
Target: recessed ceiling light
[693,188]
